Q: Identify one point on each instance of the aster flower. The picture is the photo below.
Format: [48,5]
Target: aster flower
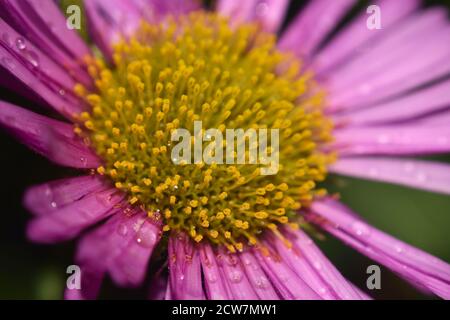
[354,105]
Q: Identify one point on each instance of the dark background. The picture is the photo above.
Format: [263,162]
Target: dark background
[32,271]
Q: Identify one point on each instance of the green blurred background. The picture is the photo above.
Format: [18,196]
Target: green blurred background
[32,271]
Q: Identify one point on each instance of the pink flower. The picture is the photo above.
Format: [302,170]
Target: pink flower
[385,92]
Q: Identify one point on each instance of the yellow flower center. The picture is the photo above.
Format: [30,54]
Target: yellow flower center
[198,68]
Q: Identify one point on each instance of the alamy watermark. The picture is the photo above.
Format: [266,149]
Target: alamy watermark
[229,149]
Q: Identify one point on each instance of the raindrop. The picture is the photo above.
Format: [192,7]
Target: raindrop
[62,92]
[317,265]
[421,177]
[262,8]
[122,229]
[53,204]
[20,43]
[83,161]
[32,58]
[146,239]
[360,229]
[181,277]
[399,249]
[235,276]
[212,277]
[383,138]
[262,282]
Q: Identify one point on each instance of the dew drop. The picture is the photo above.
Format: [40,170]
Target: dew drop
[235,276]
[399,249]
[212,277]
[421,177]
[146,239]
[360,229]
[122,229]
[62,92]
[83,161]
[53,204]
[32,58]
[262,8]
[262,282]
[181,277]
[20,43]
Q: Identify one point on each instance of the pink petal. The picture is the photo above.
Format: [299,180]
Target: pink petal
[121,246]
[410,54]
[68,221]
[314,268]
[130,267]
[415,265]
[233,274]
[185,270]
[419,103]
[49,197]
[215,285]
[26,81]
[45,26]
[426,175]
[257,277]
[50,138]
[113,19]
[351,41]
[312,25]
[269,13]
[392,140]
[287,283]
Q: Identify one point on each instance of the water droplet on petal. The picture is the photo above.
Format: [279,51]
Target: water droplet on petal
[261,9]
[212,277]
[122,229]
[146,238]
[235,276]
[421,177]
[360,229]
[32,58]
[262,282]
[20,43]
[53,204]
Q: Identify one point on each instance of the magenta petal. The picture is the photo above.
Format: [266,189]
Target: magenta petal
[129,268]
[414,53]
[312,25]
[411,106]
[50,138]
[121,246]
[185,270]
[426,175]
[269,13]
[314,268]
[257,277]
[356,35]
[287,283]
[413,264]
[233,274]
[49,197]
[45,26]
[67,222]
[111,20]
[215,285]
[392,140]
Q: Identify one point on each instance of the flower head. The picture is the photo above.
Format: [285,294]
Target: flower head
[225,230]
